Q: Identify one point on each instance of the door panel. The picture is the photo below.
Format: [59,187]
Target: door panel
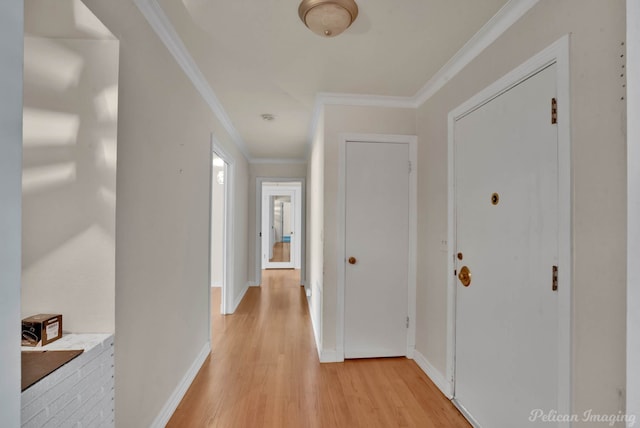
[377,232]
[506,319]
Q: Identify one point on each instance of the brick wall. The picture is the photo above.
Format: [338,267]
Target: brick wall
[80,393]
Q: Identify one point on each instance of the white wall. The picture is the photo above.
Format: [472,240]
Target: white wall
[69,181]
[11,23]
[633,208]
[315,229]
[162,213]
[599,195]
[217,227]
[338,120]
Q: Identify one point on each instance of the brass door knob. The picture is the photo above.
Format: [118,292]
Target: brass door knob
[352,260]
[465,276]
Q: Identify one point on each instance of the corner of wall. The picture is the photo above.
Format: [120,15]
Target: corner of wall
[434,374]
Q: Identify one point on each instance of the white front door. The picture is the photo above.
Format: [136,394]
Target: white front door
[377,249]
[506,202]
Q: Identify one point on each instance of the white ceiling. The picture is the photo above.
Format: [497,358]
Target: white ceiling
[63,19]
[258,57]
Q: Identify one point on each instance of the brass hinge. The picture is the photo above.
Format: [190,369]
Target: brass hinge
[407,322]
[554,111]
[554,280]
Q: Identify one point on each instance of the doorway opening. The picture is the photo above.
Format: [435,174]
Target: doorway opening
[218,202]
[221,230]
[280,220]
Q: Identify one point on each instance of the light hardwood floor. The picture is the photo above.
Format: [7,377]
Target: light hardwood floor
[264,372]
[281,252]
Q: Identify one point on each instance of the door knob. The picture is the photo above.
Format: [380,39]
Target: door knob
[352,260]
[465,276]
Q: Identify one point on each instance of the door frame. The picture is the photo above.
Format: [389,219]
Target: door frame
[227,290]
[633,207]
[294,193]
[557,53]
[303,225]
[412,142]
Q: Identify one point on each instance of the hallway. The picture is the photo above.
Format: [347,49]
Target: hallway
[264,372]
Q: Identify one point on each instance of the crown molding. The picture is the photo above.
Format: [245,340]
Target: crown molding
[511,12]
[334,98]
[163,28]
[277,161]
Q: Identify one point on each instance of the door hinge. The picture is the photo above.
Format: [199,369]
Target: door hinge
[554,280]
[407,322]
[554,111]
[409,166]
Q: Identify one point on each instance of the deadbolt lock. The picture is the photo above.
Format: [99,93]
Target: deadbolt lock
[460,256]
[465,276]
[352,260]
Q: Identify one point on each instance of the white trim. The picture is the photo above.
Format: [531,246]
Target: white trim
[258,220]
[412,142]
[508,15]
[228,279]
[165,31]
[466,414]
[316,331]
[330,356]
[172,403]
[434,374]
[216,285]
[557,53]
[281,161]
[633,207]
[295,193]
[334,98]
[494,28]
[511,12]
[238,299]
[254,284]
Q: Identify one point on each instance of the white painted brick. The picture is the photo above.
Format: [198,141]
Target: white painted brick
[37,420]
[78,394]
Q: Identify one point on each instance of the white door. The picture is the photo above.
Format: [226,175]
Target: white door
[506,200]
[377,240]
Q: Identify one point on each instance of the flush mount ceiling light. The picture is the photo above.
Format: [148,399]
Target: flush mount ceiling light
[328,18]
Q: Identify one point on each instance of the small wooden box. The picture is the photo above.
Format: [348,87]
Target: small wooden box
[41,329]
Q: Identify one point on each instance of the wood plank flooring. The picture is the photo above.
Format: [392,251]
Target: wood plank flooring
[264,372]
[281,252]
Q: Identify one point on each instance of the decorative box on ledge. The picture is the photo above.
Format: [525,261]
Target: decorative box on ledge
[80,393]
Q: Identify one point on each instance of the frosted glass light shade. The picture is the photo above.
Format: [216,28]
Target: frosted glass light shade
[328,18]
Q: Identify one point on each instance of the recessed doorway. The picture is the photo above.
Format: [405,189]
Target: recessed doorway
[280,220]
[221,248]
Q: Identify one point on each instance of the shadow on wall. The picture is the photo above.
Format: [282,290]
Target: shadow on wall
[69,169]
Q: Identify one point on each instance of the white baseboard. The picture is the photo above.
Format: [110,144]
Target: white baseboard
[238,299]
[329,356]
[434,374]
[411,352]
[172,403]
[216,285]
[253,284]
